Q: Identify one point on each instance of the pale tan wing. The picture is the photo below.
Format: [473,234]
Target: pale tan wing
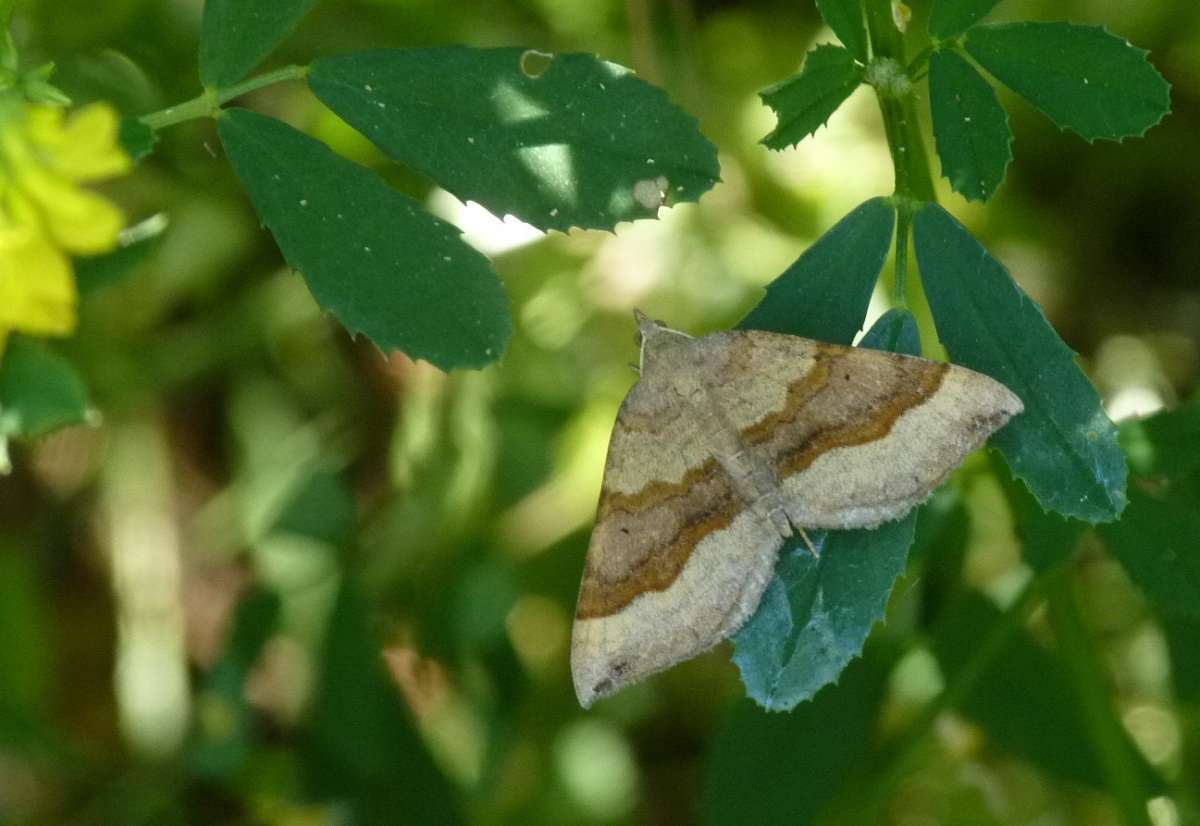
[854,437]
[676,562]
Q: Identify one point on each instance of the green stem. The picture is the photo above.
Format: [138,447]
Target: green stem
[903,224]
[1117,760]
[208,103]
[919,61]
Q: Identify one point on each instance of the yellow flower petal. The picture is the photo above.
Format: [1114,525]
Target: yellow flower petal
[85,148]
[37,287]
[82,222]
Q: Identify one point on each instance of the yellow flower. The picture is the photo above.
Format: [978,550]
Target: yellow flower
[46,216]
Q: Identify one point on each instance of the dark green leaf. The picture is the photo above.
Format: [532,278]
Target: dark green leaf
[371,256]
[1047,539]
[1166,443]
[895,331]
[1183,643]
[136,138]
[1081,77]
[845,17]
[39,391]
[940,551]
[1158,543]
[1063,446]
[824,295]
[362,748]
[805,101]
[97,271]
[1023,698]
[26,658]
[237,34]
[225,717]
[321,508]
[558,141]
[950,17]
[772,768]
[971,128]
[817,611]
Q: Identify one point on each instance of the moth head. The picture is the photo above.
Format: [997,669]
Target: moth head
[652,335]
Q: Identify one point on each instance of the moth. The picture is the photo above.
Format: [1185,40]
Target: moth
[731,443]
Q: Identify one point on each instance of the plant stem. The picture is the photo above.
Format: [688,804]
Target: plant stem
[893,88]
[1117,760]
[208,103]
[900,121]
[903,223]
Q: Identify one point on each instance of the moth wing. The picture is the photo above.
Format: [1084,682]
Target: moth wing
[676,562]
[855,437]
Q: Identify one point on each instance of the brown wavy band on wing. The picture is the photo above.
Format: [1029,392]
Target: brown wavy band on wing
[647,537]
[869,418]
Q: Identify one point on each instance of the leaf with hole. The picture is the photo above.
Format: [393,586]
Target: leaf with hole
[556,140]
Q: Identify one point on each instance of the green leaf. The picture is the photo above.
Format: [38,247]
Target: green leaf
[817,612]
[1158,543]
[1023,698]
[824,295]
[237,34]
[1167,443]
[1182,635]
[556,140]
[895,331]
[1063,446]
[1081,77]
[805,101]
[845,17]
[362,748]
[1047,540]
[971,128]
[371,255]
[136,138]
[950,17]
[27,647]
[40,392]
[320,508]
[772,768]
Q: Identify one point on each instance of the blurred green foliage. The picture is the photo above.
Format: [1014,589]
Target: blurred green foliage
[193,591]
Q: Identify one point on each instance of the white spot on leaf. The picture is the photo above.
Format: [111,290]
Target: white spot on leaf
[651,192]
